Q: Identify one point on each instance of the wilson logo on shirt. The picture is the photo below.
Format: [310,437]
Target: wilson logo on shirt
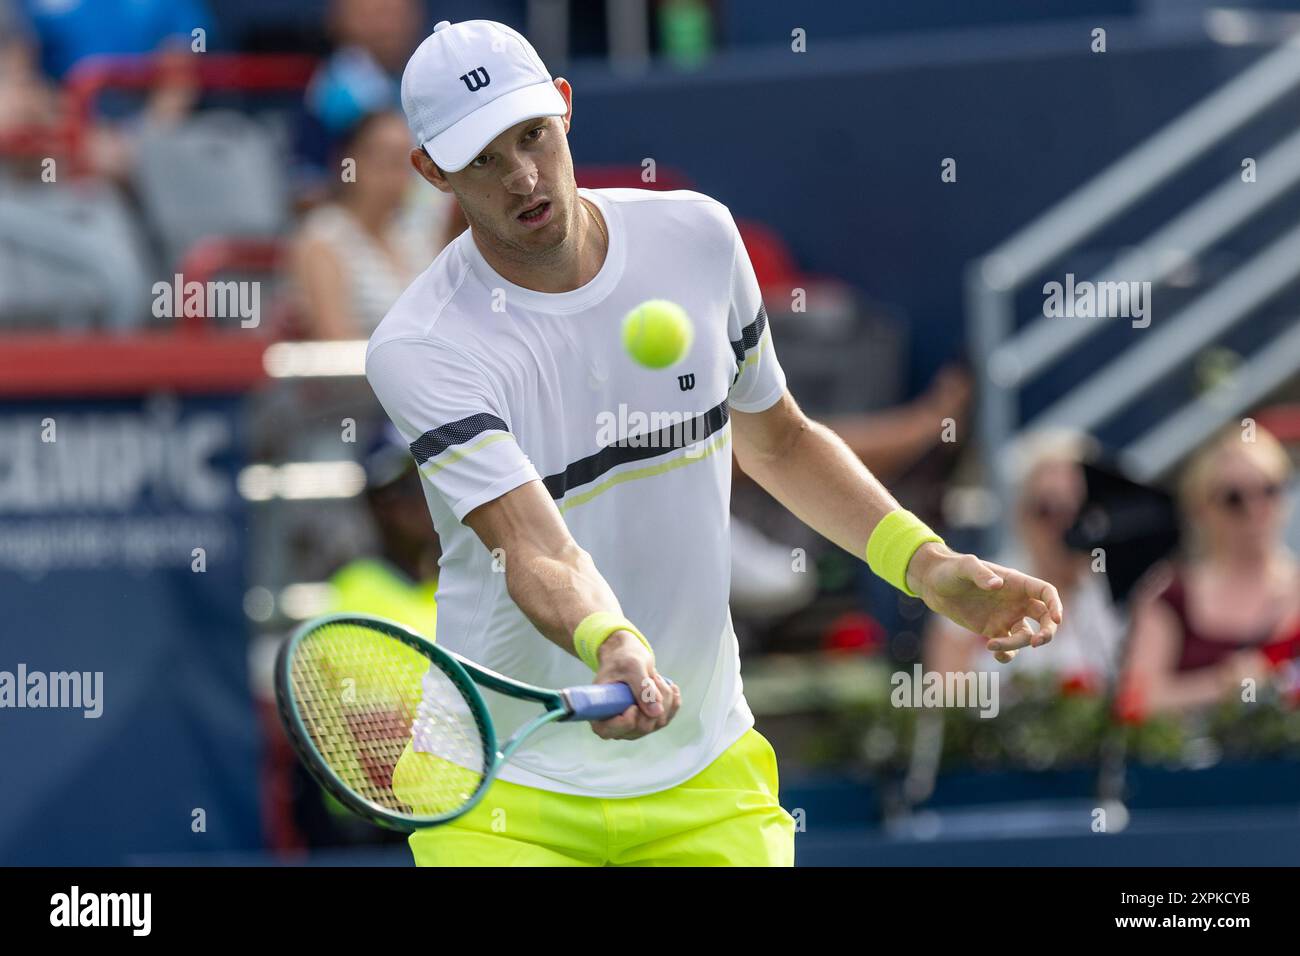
[476,79]
[686,382]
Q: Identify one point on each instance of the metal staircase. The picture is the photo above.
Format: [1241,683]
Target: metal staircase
[1014,355]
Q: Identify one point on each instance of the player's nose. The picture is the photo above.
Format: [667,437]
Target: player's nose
[522,179]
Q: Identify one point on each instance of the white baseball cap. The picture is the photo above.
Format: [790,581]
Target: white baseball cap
[469,82]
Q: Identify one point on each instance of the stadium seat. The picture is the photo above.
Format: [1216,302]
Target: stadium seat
[72,257]
[219,173]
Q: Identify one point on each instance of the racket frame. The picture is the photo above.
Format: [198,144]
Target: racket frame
[464,673]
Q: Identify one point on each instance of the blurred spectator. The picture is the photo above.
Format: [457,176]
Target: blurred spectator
[399,582]
[762,583]
[363,75]
[355,255]
[888,442]
[1050,492]
[1220,615]
[25,97]
[891,441]
[68,31]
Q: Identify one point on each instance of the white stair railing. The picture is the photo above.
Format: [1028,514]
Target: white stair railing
[1009,359]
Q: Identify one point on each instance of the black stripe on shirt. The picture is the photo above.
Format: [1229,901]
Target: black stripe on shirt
[650,445]
[750,335]
[434,442]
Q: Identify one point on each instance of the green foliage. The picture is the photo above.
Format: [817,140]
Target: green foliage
[1042,724]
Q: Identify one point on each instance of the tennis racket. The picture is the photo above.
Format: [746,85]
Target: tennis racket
[357,694]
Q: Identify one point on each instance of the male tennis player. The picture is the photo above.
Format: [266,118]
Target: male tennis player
[569,550]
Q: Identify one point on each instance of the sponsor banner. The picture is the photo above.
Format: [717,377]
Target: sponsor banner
[126,721]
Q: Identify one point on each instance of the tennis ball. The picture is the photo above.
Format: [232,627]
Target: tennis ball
[658,333]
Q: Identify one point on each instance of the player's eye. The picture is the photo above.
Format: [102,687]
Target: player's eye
[480,162]
[537,133]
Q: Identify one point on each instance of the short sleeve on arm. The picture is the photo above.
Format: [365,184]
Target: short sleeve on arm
[448,411]
[759,380]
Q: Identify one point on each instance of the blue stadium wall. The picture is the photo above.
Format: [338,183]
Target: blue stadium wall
[840,148]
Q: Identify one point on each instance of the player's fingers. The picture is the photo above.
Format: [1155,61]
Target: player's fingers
[1019,636]
[1048,595]
[670,696]
[1023,633]
[650,695]
[617,728]
[1005,657]
[658,689]
[1046,629]
[642,725]
[639,723]
[664,688]
[983,574]
[1041,623]
[657,701]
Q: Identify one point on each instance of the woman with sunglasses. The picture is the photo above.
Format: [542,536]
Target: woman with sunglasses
[1230,610]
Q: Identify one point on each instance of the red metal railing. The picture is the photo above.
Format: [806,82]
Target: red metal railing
[93,76]
[189,357]
[208,71]
[209,257]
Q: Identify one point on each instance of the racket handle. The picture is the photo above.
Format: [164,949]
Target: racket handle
[598,701]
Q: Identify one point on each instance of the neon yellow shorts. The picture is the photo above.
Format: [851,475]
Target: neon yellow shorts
[726,815]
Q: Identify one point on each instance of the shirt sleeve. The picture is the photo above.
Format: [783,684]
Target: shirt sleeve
[447,409]
[759,380]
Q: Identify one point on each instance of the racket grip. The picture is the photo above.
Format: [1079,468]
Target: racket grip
[598,701]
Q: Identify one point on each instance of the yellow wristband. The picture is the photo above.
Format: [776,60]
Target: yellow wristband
[893,542]
[593,631]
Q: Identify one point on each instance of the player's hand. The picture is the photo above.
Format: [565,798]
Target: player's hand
[624,659]
[985,598]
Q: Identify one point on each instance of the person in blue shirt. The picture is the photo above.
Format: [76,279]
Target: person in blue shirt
[67,32]
[362,75]
[70,30]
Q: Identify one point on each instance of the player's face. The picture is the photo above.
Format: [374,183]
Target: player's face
[520,189]
[519,193]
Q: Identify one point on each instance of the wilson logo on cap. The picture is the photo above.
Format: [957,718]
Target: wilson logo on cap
[476,79]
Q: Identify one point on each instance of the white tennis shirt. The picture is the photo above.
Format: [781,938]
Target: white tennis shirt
[495,385]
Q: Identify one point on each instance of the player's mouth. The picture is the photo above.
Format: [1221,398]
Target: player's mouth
[536,215]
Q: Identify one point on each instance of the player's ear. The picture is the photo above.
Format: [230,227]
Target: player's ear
[429,170]
[566,91]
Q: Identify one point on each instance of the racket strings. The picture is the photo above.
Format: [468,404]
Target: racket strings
[448,743]
[365,697]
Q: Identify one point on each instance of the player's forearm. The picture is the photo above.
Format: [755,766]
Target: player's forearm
[823,483]
[558,591]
